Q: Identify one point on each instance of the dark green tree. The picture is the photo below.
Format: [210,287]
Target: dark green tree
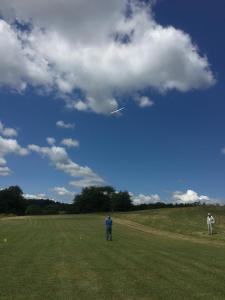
[121,201]
[12,201]
[33,209]
[51,209]
[94,199]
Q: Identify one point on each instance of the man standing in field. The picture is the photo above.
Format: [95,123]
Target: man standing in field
[108,225]
[210,222]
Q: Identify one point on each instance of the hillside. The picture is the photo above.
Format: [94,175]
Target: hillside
[190,221]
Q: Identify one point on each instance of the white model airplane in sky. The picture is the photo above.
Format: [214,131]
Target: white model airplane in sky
[115,111]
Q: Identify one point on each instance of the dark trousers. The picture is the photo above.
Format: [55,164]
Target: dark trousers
[108,233]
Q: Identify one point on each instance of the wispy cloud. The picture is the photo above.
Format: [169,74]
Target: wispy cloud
[88,181]
[50,141]
[144,101]
[62,191]
[61,161]
[37,196]
[6,131]
[62,124]
[70,143]
[4,171]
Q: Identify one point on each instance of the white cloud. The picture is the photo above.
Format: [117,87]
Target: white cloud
[4,171]
[9,146]
[79,105]
[37,197]
[78,20]
[70,143]
[61,161]
[62,124]
[79,45]
[50,141]
[8,132]
[42,195]
[62,191]
[88,181]
[20,65]
[144,199]
[223,150]
[144,101]
[191,196]
[2,161]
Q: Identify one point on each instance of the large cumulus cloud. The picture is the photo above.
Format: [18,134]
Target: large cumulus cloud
[191,196]
[97,48]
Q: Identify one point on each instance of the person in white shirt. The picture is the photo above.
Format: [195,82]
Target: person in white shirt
[210,222]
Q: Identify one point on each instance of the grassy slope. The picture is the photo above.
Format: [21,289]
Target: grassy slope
[190,221]
[67,257]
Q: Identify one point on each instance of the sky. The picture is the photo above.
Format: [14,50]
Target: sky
[65,66]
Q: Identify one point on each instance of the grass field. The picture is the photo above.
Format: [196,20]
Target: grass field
[157,254]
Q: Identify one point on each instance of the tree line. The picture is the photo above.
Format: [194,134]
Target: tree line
[91,199]
[12,201]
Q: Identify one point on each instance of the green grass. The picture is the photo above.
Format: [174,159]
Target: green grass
[67,257]
[190,221]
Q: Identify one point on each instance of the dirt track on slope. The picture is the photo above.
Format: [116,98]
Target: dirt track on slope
[167,234]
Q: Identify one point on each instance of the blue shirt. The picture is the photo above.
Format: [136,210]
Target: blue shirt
[108,222]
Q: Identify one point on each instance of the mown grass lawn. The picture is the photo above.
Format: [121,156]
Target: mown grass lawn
[67,257]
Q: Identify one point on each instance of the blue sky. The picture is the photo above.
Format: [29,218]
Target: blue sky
[166,69]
